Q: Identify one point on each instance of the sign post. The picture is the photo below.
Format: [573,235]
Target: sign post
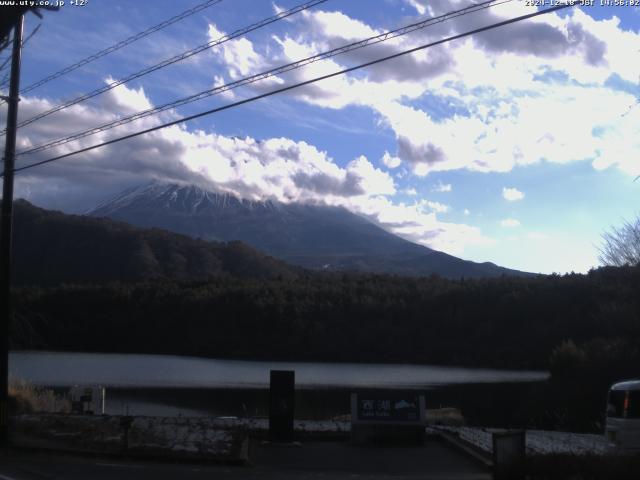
[281,405]
[396,416]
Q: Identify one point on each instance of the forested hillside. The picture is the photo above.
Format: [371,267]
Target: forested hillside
[89,284]
[51,248]
[506,322]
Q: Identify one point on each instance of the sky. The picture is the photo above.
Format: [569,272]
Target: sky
[517,146]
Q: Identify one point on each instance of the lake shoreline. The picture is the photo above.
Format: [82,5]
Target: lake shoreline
[481,404]
[147,370]
[189,386]
[249,358]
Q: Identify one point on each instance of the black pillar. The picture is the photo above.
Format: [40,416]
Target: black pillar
[281,405]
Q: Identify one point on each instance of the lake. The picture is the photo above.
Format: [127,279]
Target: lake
[173,385]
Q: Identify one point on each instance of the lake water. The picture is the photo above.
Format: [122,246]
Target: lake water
[162,371]
[173,385]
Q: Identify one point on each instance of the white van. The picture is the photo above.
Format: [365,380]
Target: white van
[623,416]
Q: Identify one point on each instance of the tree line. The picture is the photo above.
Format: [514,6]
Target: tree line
[506,322]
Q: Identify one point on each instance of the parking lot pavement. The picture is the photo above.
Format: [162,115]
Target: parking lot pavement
[327,460]
[434,458]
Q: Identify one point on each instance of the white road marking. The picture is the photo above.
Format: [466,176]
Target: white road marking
[4,477]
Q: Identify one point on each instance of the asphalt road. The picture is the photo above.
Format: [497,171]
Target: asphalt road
[312,460]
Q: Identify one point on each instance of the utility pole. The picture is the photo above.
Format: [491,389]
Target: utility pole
[6,224]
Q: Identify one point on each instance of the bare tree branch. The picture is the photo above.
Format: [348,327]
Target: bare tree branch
[621,245]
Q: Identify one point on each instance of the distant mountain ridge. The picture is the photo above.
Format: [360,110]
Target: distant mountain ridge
[311,236]
[51,248]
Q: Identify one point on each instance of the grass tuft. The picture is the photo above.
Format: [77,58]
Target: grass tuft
[27,398]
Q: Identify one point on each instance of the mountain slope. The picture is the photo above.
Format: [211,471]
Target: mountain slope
[312,236]
[52,247]
[283,230]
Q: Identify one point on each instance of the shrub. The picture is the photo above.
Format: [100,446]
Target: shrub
[27,398]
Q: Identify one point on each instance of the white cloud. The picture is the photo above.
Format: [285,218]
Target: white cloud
[414,223]
[327,25]
[128,100]
[510,222]
[281,169]
[410,191]
[512,194]
[274,168]
[219,81]
[516,89]
[391,161]
[239,55]
[467,212]
[499,135]
[436,206]
[442,187]
[421,9]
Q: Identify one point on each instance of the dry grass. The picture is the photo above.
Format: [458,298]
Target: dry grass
[445,416]
[27,398]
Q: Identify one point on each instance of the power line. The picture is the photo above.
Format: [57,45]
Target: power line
[298,85]
[121,44]
[30,36]
[175,59]
[5,64]
[268,74]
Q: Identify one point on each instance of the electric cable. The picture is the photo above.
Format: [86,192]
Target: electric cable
[121,44]
[266,74]
[172,60]
[298,85]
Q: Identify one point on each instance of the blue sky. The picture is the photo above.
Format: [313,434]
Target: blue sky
[517,146]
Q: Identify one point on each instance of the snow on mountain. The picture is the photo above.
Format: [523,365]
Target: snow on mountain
[313,236]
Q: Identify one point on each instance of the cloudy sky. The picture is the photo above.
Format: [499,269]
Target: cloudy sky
[518,146]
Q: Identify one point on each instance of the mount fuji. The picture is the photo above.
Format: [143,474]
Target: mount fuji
[311,236]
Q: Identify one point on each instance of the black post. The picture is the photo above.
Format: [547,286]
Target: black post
[6,224]
[281,405]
